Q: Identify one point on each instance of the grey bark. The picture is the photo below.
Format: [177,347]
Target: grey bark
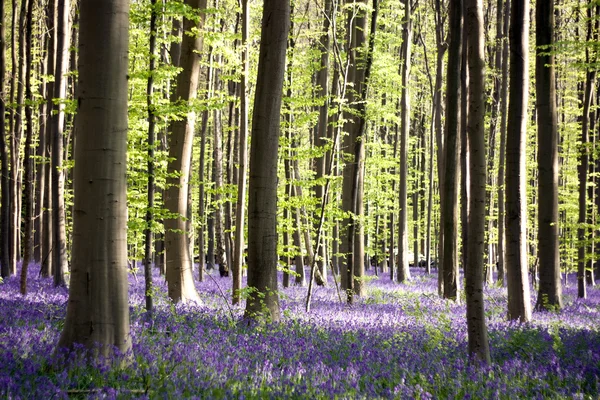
[263,300]
[179,265]
[59,239]
[403,272]
[451,148]
[550,288]
[519,303]
[476,321]
[98,309]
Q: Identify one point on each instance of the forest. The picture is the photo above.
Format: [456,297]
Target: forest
[299,199]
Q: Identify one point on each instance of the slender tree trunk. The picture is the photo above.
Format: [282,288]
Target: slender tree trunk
[201,179]
[263,300]
[463,144]
[476,326]
[321,136]
[240,210]
[179,265]
[5,178]
[28,161]
[148,237]
[403,273]
[451,146]
[519,306]
[98,310]
[502,150]
[17,137]
[59,239]
[584,166]
[550,290]
[221,255]
[442,46]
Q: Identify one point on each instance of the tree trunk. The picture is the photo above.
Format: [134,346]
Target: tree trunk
[519,306]
[476,327]
[59,239]
[240,209]
[321,136]
[220,253]
[28,160]
[263,300]
[502,150]
[148,236]
[550,290]
[403,273]
[98,310]
[179,265]
[4,179]
[451,148]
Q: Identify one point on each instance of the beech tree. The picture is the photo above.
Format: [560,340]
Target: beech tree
[476,326]
[263,300]
[519,306]
[451,148]
[98,309]
[550,287]
[179,264]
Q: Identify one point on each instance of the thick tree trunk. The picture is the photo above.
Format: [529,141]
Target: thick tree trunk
[519,306]
[550,290]
[98,310]
[263,300]
[179,265]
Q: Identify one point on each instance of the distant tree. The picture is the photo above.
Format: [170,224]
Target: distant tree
[550,290]
[519,298]
[98,309]
[263,300]
[476,327]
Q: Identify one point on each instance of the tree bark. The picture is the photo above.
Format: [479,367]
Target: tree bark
[550,289]
[240,209]
[28,160]
[451,148]
[502,149]
[4,179]
[263,300]
[321,136]
[59,239]
[519,306]
[476,326]
[403,272]
[148,236]
[98,310]
[179,265]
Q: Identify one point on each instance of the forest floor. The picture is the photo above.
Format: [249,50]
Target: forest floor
[398,341]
